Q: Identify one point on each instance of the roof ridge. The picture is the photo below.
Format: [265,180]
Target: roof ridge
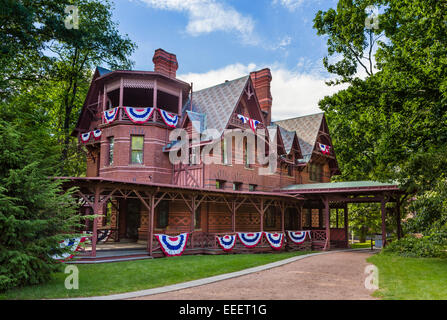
[219,84]
[308,115]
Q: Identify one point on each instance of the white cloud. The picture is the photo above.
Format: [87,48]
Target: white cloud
[205,16]
[294,93]
[289,4]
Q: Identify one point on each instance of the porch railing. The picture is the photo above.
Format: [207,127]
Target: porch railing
[123,118]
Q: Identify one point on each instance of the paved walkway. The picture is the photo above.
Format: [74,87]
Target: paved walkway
[338,275]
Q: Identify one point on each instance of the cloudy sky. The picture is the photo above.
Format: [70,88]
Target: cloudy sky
[218,40]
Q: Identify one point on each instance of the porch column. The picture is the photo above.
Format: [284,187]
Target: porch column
[398,222]
[193,213]
[233,216]
[282,208]
[95,220]
[262,215]
[154,100]
[121,92]
[336,218]
[327,223]
[382,208]
[345,216]
[151,224]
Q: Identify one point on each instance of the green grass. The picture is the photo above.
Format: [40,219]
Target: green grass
[119,277]
[357,245]
[403,278]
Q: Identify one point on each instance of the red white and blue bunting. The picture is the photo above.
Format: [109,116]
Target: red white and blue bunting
[139,115]
[110,115]
[252,122]
[226,242]
[85,137]
[275,240]
[298,237]
[324,148]
[250,240]
[172,246]
[103,235]
[97,134]
[73,245]
[170,119]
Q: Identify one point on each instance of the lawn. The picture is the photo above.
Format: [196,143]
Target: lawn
[119,277]
[410,278]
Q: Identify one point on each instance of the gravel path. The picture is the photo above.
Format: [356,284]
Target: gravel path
[336,276]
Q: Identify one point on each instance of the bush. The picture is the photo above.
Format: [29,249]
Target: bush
[425,247]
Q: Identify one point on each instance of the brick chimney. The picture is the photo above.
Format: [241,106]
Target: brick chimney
[165,63]
[261,81]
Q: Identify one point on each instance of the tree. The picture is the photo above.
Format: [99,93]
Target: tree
[34,212]
[391,125]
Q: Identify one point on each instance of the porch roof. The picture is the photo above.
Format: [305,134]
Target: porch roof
[172,186]
[341,187]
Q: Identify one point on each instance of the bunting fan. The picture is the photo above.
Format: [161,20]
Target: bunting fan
[85,137]
[97,134]
[324,148]
[110,115]
[250,240]
[170,119]
[226,242]
[73,246]
[242,118]
[298,237]
[253,124]
[138,115]
[275,240]
[172,246]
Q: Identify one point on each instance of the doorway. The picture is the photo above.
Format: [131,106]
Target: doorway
[132,219]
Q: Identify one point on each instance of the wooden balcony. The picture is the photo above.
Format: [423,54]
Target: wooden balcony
[122,118]
[237,123]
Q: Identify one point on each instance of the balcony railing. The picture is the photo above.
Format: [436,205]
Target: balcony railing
[236,122]
[122,117]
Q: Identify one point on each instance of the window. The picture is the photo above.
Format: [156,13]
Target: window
[246,158]
[270,217]
[252,187]
[237,186]
[198,218]
[137,149]
[290,170]
[111,146]
[220,184]
[163,214]
[315,172]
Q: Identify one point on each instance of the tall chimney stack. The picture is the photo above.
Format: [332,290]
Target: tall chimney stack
[165,63]
[261,81]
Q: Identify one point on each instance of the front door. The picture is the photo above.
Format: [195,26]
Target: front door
[133,219]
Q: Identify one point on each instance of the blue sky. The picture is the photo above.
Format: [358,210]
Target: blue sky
[215,40]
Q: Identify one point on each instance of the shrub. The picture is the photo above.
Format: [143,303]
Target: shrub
[425,247]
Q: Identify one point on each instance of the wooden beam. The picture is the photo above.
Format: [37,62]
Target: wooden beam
[328,223]
[95,220]
[151,224]
[345,216]
[383,209]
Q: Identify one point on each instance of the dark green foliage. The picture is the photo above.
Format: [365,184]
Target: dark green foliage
[34,213]
[425,247]
[392,124]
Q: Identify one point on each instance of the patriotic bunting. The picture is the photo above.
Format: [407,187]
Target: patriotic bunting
[110,115]
[324,148]
[172,246]
[170,119]
[298,237]
[275,240]
[73,245]
[250,240]
[139,115]
[252,122]
[97,134]
[85,137]
[103,235]
[226,242]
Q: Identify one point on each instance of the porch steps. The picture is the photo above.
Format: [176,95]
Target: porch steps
[114,255]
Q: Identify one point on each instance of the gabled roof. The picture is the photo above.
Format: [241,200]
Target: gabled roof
[217,102]
[306,128]
[102,71]
[287,137]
